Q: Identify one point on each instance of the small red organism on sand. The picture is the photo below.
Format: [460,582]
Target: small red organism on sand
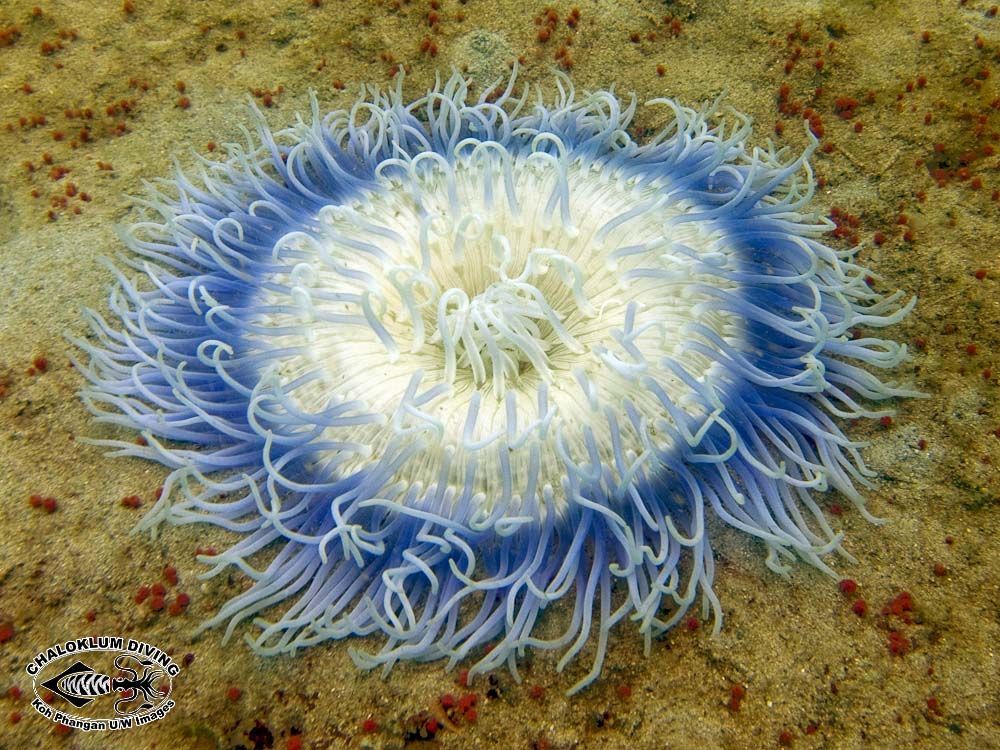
[736,695]
[899,644]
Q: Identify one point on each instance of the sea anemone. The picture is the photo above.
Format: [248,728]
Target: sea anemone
[445,362]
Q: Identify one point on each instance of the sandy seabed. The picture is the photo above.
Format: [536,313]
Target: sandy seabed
[911,172]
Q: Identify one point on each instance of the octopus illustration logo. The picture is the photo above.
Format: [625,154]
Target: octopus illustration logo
[137,675]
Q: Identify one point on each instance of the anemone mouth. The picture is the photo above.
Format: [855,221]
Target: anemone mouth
[444,362]
[501,312]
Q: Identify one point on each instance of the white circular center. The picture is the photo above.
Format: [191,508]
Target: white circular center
[519,327]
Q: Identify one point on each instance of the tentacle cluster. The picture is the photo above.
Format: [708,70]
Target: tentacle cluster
[445,362]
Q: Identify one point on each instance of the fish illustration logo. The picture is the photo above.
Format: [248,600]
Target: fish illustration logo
[78,684]
[137,675]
